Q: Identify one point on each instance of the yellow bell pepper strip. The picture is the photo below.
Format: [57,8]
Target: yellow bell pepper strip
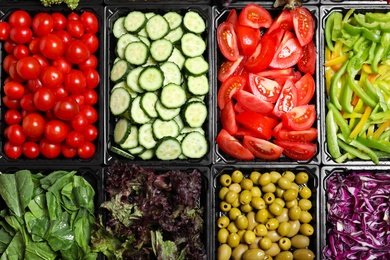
[352,115]
[328,79]
[336,61]
[363,120]
[333,92]
[340,121]
[332,24]
[381,129]
[331,135]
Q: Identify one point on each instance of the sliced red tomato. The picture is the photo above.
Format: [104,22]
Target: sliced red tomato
[305,87]
[287,55]
[262,149]
[251,102]
[227,41]
[296,75]
[297,150]
[303,25]
[229,87]
[256,122]
[233,18]
[255,16]
[228,118]
[307,63]
[283,20]
[228,67]
[275,73]
[287,99]
[263,54]
[244,131]
[300,117]
[231,146]
[248,39]
[284,134]
[238,108]
[264,88]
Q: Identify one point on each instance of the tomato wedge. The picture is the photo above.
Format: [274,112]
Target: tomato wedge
[283,20]
[251,102]
[233,18]
[275,73]
[305,87]
[263,54]
[228,67]
[248,39]
[228,89]
[228,118]
[287,99]
[244,131]
[281,133]
[256,122]
[297,150]
[262,149]
[231,146]
[299,118]
[303,25]
[287,55]
[255,16]
[307,63]
[227,41]
[264,88]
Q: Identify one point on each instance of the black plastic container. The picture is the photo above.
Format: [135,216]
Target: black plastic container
[326,173]
[360,3]
[313,183]
[97,158]
[220,15]
[205,199]
[325,11]
[35,2]
[112,13]
[154,2]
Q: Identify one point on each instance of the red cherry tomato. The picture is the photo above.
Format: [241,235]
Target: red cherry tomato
[42,60]
[65,37]
[51,46]
[90,133]
[42,24]
[20,51]
[12,151]
[80,99]
[44,99]
[79,122]
[77,52]
[66,109]
[27,103]
[19,18]
[91,40]
[75,139]
[33,125]
[90,63]
[90,22]
[59,21]
[16,135]
[33,85]
[30,149]
[14,90]
[90,97]
[4,31]
[8,60]
[60,92]
[90,113]
[67,151]
[13,73]
[33,45]
[62,65]
[73,16]
[9,46]
[51,77]
[55,131]
[11,103]
[86,150]
[12,116]
[75,81]
[75,28]
[92,78]
[48,149]
[20,35]
[28,67]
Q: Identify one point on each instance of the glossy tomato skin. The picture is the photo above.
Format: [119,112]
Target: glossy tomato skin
[227,41]
[77,52]
[75,28]
[251,102]
[42,24]
[283,20]
[86,150]
[91,40]
[74,139]
[14,90]
[66,109]
[90,22]
[90,112]
[228,118]
[303,25]
[33,125]
[305,87]
[20,35]
[300,117]
[90,63]
[62,65]
[51,46]
[33,45]
[90,133]
[92,78]
[12,116]
[248,39]
[228,89]
[67,151]
[59,21]
[27,103]
[16,135]
[79,122]
[90,97]
[297,150]
[30,149]
[19,18]
[288,54]
[75,81]
[65,37]
[51,77]
[44,99]
[262,149]
[11,103]
[12,151]
[4,31]
[307,135]
[287,99]
[255,16]
[307,63]
[20,51]
[8,60]
[256,122]
[231,146]
[228,68]
[28,67]
[55,131]
[263,55]
[48,149]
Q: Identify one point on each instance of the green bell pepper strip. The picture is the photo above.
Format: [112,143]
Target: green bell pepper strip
[360,20]
[344,157]
[352,30]
[366,150]
[334,18]
[385,42]
[385,135]
[352,150]
[348,15]
[370,89]
[333,92]
[340,121]
[378,17]
[346,99]
[331,135]
[371,53]
[375,143]
[371,35]
[358,44]
[377,58]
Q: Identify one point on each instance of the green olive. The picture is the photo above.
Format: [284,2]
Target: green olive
[223,221]
[284,183]
[258,203]
[274,250]
[251,220]
[224,206]
[301,178]
[304,204]
[279,192]
[268,257]
[256,192]
[280,202]
[272,224]
[303,254]
[294,186]
[239,251]
[292,203]
[260,230]
[262,215]
[241,222]
[241,233]
[276,209]
[300,241]
[233,240]
[254,253]
[222,192]
[249,237]
[284,228]
[294,213]
[231,196]
[237,176]
[269,198]
[306,229]
[225,180]
[305,192]
[306,217]
[285,243]
[246,208]
[265,243]
[246,184]
[222,235]
[275,176]
[290,195]
[254,176]
[235,187]
[285,255]
[284,216]
[245,197]
[237,203]
[273,235]
[224,252]
[264,179]
[295,226]
[269,188]
[234,213]
[289,175]
[232,228]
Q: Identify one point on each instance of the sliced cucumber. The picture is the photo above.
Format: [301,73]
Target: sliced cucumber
[168,148]
[119,70]
[173,96]
[194,145]
[188,129]
[192,45]
[137,150]
[198,85]
[179,122]
[137,113]
[122,130]
[132,80]
[172,73]
[174,19]
[121,152]
[151,78]
[193,22]
[147,154]
[161,50]
[177,57]
[122,43]
[123,84]
[157,27]
[166,113]
[120,101]
[196,66]
[163,128]
[132,140]
[148,103]
[146,137]
[137,53]
[134,21]
[118,29]
[195,113]
[175,35]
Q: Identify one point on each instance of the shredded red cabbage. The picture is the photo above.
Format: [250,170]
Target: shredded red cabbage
[358,216]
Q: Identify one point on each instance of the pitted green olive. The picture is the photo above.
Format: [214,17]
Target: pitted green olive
[260,230]
[254,253]
[232,228]
[280,202]
[245,197]
[301,177]
[264,179]
[303,254]
[224,206]
[241,233]
[256,192]
[294,186]
[222,192]
[246,184]
[231,196]
[235,187]
[262,215]
[237,176]
[290,204]
[290,195]
[236,203]
[289,175]
[294,213]
[306,229]
[251,220]
[274,250]
[269,188]
[246,208]
[279,192]
[233,240]
[275,176]
[268,257]
[272,224]
[284,228]
[224,252]
[284,243]
[254,176]
[269,198]
[258,203]
[234,213]
[273,235]
[304,192]
[285,255]
[265,243]
[294,227]
[284,216]
[225,180]
[241,222]
[300,241]
[223,221]
[239,251]
[284,183]
[304,204]
[249,237]
[306,217]
[276,209]
[222,235]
